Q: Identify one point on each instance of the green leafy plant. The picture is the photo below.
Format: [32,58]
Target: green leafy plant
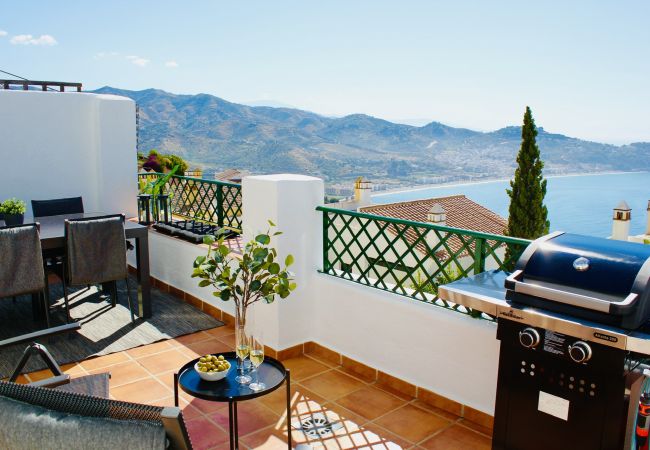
[12,206]
[423,284]
[255,275]
[157,186]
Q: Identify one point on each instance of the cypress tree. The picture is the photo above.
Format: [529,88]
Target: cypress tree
[527,215]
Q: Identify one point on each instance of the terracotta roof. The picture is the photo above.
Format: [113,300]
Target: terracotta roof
[461,213]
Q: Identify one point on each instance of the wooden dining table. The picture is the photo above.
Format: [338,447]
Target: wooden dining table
[52,230]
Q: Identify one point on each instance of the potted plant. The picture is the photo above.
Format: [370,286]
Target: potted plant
[154,193]
[254,276]
[13,211]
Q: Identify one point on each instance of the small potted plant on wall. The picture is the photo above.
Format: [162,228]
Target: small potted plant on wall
[13,211]
[246,279]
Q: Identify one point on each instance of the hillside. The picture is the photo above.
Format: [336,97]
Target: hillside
[219,134]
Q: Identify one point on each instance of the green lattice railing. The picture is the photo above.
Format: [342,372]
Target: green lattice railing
[410,258]
[210,201]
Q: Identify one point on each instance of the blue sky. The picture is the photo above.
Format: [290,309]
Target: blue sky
[582,66]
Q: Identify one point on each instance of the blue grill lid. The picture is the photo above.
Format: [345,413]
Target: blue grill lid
[613,265]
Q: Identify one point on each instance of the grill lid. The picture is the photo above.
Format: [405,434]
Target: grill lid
[604,275]
[605,266]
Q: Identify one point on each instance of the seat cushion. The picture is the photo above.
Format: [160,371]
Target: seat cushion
[26,426]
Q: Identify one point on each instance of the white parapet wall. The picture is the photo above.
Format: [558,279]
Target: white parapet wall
[444,351]
[68,144]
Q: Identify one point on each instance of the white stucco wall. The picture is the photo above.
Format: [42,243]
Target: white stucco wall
[446,352]
[55,145]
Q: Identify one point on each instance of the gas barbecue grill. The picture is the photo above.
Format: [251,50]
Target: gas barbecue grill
[572,322]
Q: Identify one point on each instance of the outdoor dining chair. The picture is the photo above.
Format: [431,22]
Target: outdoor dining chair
[57,206]
[95,253]
[21,271]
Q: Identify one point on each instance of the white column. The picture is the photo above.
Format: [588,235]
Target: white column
[289,201]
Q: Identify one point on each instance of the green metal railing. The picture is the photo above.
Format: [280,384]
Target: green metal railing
[215,202]
[410,258]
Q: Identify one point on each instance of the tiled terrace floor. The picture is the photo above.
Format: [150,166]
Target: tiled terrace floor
[370,416]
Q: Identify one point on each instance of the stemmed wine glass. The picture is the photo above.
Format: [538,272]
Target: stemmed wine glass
[242,347]
[257,358]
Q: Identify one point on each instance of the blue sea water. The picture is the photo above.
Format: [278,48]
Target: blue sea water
[577,204]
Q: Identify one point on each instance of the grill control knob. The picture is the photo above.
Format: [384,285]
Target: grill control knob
[580,352]
[529,338]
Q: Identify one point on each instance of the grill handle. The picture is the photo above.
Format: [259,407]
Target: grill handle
[514,283]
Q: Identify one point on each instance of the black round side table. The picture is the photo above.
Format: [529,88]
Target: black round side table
[271,372]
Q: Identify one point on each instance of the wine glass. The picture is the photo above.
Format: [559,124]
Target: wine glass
[242,348]
[257,358]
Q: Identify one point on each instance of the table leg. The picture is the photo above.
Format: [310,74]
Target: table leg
[289,408]
[38,307]
[176,389]
[231,428]
[235,419]
[144,277]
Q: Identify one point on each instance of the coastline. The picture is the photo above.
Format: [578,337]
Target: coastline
[425,187]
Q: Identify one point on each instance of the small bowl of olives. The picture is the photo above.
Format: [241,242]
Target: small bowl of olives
[212,367]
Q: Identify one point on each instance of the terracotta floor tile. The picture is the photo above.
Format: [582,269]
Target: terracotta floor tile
[205,434]
[304,367]
[104,361]
[373,436]
[141,391]
[272,438]
[74,370]
[164,361]
[341,413]
[150,349]
[457,437]
[124,373]
[221,331]
[441,412]
[228,339]
[332,384]
[210,346]
[252,417]
[207,407]
[370,402]
[476,427]
[190,338]
[412,423]
[277,400]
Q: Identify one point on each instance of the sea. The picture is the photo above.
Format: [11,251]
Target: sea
[576,203]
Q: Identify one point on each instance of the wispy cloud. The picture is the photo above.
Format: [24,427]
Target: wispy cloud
[3,33]
[28,39]
[138,61]
[102,55]
[171,64]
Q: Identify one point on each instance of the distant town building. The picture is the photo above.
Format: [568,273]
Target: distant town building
[621,224]
[416,244]
[231,175]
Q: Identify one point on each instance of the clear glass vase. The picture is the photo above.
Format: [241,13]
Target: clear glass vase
[242,345]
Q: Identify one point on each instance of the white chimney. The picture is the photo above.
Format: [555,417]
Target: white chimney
[437,215]
[362,191]
[621,225]
[647,226]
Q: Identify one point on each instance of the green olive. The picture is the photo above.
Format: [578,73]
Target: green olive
[221,358]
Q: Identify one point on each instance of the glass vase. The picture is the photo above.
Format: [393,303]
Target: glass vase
[242,344]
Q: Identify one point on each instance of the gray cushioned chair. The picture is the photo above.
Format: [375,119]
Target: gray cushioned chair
[21,271]
[37,417]
[95,252]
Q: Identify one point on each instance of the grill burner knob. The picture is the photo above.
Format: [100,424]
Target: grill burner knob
[580,352]
[529,338]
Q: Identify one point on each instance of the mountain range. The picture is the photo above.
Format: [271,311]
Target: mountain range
[214,133]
